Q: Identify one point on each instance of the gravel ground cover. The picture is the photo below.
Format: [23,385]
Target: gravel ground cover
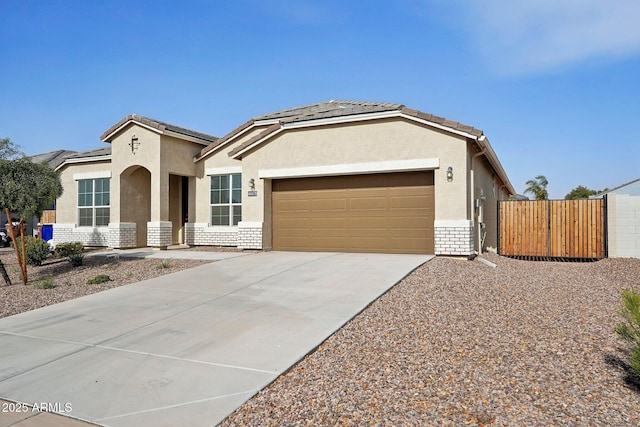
[72,282]
[460,343]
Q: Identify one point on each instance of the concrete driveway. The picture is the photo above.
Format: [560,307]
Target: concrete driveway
[190,347]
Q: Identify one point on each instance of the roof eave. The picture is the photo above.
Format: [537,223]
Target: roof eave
[484,144]
[225,140]
[188,138]
[83,160]
[111,133]
[285,125]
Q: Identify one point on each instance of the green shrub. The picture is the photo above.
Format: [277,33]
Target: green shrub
[47,283]
[629,329]
[74,252]
[37,250]
[64,250]
[164,264]
[76,260]
[100,278]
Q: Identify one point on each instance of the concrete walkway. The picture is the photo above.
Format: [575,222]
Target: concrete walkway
[186,348]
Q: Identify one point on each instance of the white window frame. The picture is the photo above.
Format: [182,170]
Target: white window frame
[222,200]
[93,206]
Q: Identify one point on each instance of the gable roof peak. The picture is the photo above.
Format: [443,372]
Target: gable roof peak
[158,125]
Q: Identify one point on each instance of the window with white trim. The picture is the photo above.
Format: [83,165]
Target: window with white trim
[226,199]
[93,202]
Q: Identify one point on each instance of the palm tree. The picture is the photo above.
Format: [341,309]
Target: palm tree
[538,187]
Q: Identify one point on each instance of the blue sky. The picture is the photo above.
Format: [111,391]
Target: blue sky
[554,84]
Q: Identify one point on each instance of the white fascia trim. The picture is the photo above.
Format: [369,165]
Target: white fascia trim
[230,140]
[223,171]
[373,116]
[84,160]
[438,126]
[453,223]
[91,175]
[258,142]
[152,129]
[342,119]
[268,122]
[352,168]
[188,138]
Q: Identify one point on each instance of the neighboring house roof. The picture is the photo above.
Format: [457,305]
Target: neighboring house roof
[53,158]
[159,127]
[342,112]
[95,155]
[613,190]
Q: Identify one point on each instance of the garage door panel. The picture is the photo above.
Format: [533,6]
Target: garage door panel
[368,244]
[409,222]
[362,213]
[292,205]
[409,245]
[367,224]
[327,243]
[294,224]
[336,204]
[369,202]
[328,223]
[295,242]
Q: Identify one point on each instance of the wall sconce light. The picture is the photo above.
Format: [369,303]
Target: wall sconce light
[134,144]
[450,174]
[252,184]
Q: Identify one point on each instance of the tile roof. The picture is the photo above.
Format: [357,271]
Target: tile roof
[328,110]
[159,125]
[98,152]
[53,158]
[324,110]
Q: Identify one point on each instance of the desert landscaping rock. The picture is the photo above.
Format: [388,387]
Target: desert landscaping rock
[458,343]
[72,282]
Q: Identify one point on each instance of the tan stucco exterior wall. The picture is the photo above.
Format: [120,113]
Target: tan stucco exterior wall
[367,142]
[67,204]
[488,190]
[124,159]
[217,163]
[161,155]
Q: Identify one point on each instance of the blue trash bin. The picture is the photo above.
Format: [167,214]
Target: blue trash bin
[47,232]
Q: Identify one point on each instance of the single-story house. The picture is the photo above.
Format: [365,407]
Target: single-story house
[333,176]
[623,220]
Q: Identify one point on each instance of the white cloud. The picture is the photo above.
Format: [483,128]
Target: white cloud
[532,36]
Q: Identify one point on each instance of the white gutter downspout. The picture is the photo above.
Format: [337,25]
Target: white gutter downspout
[476,222]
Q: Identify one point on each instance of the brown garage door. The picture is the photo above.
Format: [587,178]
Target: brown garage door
[389,212]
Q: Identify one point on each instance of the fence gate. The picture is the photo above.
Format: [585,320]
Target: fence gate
[553,228]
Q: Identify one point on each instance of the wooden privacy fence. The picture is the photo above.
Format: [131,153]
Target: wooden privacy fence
[553,228]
